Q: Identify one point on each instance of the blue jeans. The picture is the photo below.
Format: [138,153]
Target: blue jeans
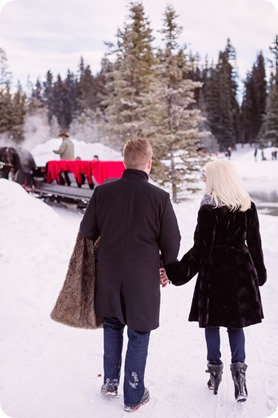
[135,360]
[236,340]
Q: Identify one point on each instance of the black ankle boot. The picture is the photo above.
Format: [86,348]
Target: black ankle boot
[238,374]
[216,371]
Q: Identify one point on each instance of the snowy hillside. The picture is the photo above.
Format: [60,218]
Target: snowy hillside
[52,371]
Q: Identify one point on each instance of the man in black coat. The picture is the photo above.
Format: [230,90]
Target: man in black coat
[138,231]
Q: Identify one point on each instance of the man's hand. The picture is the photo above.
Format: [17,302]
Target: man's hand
[163,277]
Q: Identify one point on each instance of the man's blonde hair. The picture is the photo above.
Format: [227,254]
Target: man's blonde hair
[224,185]
[137,153]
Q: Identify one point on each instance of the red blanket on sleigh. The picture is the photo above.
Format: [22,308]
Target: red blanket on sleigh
[100,170]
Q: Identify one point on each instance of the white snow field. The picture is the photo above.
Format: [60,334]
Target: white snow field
[48,370]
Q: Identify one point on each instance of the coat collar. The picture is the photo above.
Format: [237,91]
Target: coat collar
[131,173]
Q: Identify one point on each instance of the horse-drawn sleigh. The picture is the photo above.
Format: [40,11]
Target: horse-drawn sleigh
[71,181]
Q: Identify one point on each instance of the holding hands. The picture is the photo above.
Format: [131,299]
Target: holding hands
[163,277]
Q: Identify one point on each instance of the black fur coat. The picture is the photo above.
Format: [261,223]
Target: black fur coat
[227,255]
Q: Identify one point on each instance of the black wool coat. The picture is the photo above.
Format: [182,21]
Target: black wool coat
[137,227]
[227,255]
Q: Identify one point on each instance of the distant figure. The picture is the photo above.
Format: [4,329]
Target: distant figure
[229,153]
[66,150]
[95,158]
[255,153]
[274,154]
[263,156]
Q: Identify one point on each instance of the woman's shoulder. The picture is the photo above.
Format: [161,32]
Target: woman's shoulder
[206,200]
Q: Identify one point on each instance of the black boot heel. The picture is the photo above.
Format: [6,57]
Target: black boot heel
[216,372]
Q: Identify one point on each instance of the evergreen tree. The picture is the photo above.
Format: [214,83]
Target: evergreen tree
[130,77]
[48,94]
[269,131]
[89,89]
[5,96]
[211,97]
[230,53]
[5,75]
[12,106]
[225,128]
[171,120]
[220,95]
[254,101]
[18,114]
[62,96]
[247,110]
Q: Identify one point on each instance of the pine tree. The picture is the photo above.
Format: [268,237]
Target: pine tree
[211,94]
[269,130]
[48,94]
[247,110]
[62,99]
[5,96]
[171,120]
[86,95]
[225,127]
[12,105]
[254,101]
[18,114]
[130,77]
[220,95]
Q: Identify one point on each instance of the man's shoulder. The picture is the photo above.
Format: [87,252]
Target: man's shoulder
[108,185]
[157,189]
[148,187]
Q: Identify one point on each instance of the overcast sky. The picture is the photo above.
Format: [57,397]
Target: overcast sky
[38,35]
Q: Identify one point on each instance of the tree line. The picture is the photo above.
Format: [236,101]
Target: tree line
[162,92]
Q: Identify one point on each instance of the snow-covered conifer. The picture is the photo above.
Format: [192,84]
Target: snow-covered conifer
[171,117]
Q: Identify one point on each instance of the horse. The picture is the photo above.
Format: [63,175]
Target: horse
[17,164]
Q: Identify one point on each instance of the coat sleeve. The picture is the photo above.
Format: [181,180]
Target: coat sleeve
[254,243]
[88,226]
[181,272]
[61,150]
[169,241]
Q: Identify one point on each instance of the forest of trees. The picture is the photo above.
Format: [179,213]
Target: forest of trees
[164,92]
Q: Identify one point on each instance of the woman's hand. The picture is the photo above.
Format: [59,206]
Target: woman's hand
[163,277]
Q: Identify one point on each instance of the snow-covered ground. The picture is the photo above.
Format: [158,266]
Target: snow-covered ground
[48,370]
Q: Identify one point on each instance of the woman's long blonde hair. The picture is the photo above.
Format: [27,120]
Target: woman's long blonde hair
[224,185]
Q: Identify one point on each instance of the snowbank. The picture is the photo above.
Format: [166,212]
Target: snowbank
[52,371]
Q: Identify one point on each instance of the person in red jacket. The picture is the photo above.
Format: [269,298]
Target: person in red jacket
[138,231]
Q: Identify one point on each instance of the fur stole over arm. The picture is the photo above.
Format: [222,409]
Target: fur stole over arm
[75,305]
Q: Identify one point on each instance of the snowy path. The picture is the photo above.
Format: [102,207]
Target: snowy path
[52,371]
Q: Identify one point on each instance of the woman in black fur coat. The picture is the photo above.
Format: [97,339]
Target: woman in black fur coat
[227,255]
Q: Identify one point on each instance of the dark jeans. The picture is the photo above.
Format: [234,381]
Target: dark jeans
[236,340]
[135,360]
